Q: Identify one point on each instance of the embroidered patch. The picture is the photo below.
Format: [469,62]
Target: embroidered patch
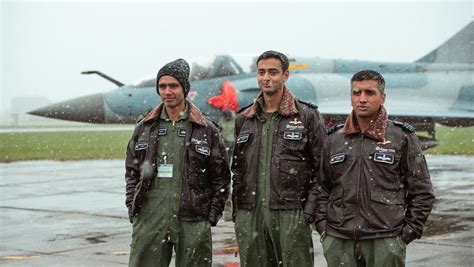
[162,131]
[203,150]
[294,127]
[141,145]
[181,131]
[243,138]
[293,135]
[196,141]
[295,121]
[384,158]
[336,158]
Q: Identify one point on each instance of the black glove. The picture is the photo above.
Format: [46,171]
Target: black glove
[309,218]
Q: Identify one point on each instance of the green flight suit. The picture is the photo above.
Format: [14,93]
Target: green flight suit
[387,252]
[157,229]
[269,237]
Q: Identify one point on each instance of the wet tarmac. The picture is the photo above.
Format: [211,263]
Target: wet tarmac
[72,213]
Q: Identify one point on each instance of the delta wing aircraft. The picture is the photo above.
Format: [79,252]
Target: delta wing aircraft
[437,88]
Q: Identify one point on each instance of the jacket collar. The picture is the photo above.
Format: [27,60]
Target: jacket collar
[287,105]
[195,115]
[376,130]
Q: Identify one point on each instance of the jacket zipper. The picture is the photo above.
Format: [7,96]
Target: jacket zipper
[359,158]
[259,130]
[187,138]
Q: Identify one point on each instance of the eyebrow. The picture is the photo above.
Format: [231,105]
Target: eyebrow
[365,89]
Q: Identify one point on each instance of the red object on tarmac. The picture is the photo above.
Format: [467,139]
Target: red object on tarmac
[227,99]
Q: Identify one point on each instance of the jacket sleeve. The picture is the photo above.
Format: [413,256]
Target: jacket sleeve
[235,173]
[323,188]
[420,196]
[220,178]
[316,140]
[132,172]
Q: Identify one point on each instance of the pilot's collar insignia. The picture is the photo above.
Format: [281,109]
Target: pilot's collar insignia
[295,121]
[384,142]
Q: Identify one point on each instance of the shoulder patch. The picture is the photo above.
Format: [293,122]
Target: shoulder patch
[405,126]
[333,129]
[311,105]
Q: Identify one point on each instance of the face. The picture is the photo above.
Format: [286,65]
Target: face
[270,75]
[366,98]
[171,91]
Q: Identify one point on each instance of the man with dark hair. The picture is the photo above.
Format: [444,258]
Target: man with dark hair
[177,177]
[370,75]
[275,166]
[375,192]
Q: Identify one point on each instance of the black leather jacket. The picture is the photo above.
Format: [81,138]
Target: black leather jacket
[370,189]
[294,166]
[203,193]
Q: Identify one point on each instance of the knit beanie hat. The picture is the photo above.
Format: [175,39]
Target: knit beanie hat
[178,69]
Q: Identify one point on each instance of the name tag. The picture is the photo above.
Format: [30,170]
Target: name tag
[141,145]
[165,170]
[384,158]
[243,138]
[336,158]
[293,135]
[204,150]
[162,131]
[181,132]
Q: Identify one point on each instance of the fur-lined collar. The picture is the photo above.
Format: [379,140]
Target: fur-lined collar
[195,115]
[376,129]
[287,105]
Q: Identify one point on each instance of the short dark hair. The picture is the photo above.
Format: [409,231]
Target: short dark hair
[276,55]
[370,75]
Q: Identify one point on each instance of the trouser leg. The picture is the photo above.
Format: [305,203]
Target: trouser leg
[194,244]
[150,239]
[251,239]
[389,252]
[291,238]
[339,252]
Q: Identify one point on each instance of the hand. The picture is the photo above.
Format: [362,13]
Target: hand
[309,218]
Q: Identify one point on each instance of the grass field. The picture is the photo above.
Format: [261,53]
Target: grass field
[63,145]
[112,144]
[454,141]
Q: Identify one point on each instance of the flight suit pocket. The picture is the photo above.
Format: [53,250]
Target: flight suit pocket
[294,175]
[388,209]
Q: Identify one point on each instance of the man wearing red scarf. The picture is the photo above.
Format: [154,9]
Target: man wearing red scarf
[375,192]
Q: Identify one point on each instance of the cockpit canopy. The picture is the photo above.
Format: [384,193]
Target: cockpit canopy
[219,66]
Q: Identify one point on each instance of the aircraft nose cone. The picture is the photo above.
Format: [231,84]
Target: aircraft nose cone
[88,108]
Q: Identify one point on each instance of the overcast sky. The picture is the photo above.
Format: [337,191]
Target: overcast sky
[45,45]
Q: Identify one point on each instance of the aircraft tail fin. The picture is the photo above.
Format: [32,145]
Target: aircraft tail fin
[457,49]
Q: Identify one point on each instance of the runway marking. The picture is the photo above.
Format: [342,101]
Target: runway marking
[19,257]
[121,253]
[66,212]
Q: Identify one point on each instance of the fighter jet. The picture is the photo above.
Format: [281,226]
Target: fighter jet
[437,88]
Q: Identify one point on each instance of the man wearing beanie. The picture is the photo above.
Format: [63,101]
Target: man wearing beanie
[177,178]
[275,167]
